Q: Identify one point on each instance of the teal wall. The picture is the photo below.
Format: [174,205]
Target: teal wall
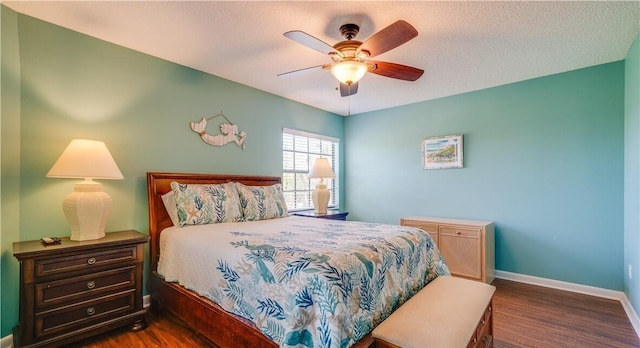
[75,86]
[543,158]
[10,166]
[632,174]
[547,159]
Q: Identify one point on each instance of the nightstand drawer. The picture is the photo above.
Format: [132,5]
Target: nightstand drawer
[75,289]
[84,262]
[85,314]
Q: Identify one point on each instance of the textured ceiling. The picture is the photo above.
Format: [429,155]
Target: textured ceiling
[462,46]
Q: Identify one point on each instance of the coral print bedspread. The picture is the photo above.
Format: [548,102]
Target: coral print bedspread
[304,282]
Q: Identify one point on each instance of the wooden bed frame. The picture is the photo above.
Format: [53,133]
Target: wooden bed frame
[203,315]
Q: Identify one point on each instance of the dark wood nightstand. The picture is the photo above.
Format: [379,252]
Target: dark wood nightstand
[74,290]
[331,214]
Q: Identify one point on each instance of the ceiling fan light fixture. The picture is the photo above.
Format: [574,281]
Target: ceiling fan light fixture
[349,71]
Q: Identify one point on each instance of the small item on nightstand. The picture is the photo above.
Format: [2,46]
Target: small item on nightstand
[50,240]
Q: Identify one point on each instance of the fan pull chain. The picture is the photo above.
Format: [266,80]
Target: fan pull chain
[349,101]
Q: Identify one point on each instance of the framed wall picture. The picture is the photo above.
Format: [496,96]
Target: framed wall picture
[442,152]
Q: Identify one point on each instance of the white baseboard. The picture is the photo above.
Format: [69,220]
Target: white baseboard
[578,288]
[560,285]
[7,341]
[631,313]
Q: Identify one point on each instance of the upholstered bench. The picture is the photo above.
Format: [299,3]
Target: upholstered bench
[448,313]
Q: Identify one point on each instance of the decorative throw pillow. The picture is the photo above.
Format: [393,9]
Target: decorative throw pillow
[169,200]
[262,202]
[206,204]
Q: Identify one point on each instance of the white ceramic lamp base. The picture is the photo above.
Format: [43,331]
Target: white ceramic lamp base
[87,209]
[320,197]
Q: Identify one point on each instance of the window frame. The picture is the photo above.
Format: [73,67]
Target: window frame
[296,186]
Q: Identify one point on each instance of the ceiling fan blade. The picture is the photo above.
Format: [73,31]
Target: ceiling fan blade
[300,71]
[388,38]
[396,71]
[312,42]
[347,90]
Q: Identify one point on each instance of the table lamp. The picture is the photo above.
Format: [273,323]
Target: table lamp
[88,206]
[320,196]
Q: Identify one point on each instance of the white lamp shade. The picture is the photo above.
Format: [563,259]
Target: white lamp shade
[85,159]
[321,169]
[349,71]
[88,206]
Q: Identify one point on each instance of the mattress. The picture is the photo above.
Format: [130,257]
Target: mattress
[304,282]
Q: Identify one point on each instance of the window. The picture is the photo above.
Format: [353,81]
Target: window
[299,152]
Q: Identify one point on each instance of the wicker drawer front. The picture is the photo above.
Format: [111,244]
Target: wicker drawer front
[460,232]
[85,262]
[431,229]
[462,250]
[81,315]
[68,291]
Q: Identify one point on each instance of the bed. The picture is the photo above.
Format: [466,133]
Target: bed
[260,247]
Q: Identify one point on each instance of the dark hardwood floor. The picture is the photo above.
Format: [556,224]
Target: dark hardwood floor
[524,316]
[162,331]
[534,316]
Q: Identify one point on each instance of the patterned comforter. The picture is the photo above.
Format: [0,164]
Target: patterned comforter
[304,282]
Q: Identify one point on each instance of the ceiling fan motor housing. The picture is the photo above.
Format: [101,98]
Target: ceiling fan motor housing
[348,47]
[349,31]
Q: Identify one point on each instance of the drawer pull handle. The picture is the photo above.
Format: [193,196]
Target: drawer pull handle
[458,232]
[91,285]
[91,311]
[91,261]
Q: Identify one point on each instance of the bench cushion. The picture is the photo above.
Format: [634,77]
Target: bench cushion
[443,314]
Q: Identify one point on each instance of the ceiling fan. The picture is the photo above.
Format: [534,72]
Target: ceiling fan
[351,58]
